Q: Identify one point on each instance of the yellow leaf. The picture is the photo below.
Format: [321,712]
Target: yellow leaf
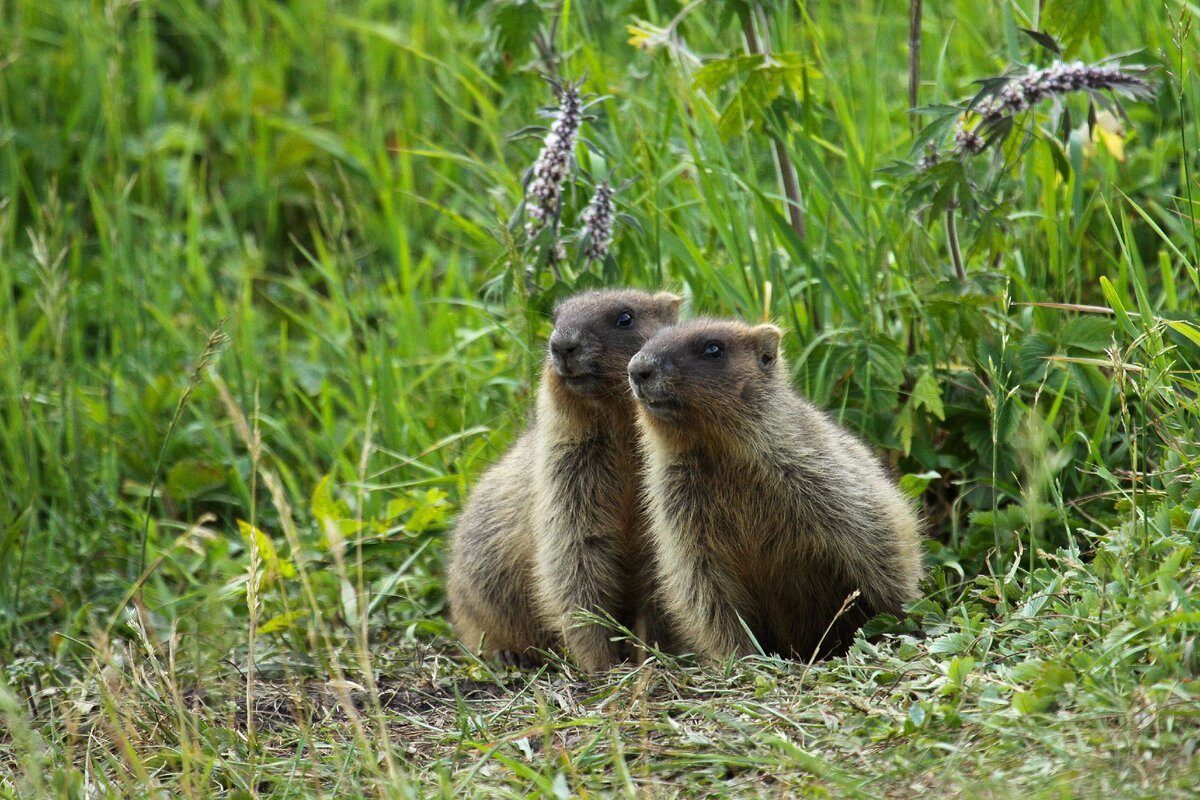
[1111,133]
[324,507]
[281,622]
[276,566]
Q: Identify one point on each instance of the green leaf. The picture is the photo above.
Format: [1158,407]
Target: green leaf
[1088,333]
[719,71]
[1114,301]
[1044,39]
[1031,702]
[324,507]
[1073,21]
[432,512]
[903,430]
[332,514]
[952,643]
[191,478]
[960,667]
[398,506]
[1026,671]
[515,22]
[913,484]
[759,82]
[927,394]
[1031,357]
[1056,676]
[1188,329]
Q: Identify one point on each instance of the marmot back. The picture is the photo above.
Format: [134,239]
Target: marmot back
[762,507]
[556,525]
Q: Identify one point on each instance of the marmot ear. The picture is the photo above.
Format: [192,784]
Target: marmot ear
[766,343]
[668,304]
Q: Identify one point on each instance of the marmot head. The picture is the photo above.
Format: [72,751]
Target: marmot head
[596,333]
[706,373]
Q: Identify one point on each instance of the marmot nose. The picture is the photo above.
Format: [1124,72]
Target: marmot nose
[641,371]
[562,345]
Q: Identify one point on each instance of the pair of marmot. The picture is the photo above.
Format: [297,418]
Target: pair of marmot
[673,481]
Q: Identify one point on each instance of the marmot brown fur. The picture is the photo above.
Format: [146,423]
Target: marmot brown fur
[763,510]
[557,525]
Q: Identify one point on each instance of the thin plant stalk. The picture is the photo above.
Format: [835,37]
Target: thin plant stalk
[216,340]
[914,61]
[952,236]
[783,162]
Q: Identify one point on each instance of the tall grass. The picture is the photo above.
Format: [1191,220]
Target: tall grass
[337,182]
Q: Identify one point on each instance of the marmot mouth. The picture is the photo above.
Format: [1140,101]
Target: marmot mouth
[582,382]
[661,407]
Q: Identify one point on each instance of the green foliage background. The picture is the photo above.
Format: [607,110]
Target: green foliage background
[329,186]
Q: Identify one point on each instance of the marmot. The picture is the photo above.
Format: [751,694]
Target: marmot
[762,508]
[557,524]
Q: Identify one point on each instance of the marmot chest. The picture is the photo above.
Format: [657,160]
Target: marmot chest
[598,478]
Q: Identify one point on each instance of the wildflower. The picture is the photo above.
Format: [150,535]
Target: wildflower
[597,218]
[967,140]
[929,158]
[1025,91]
[543,196]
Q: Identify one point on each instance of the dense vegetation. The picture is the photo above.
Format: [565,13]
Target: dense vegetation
[269,304]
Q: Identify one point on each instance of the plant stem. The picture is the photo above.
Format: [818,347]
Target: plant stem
[787,172]
[914,60]
[952,235]
[216,340]
[914,86]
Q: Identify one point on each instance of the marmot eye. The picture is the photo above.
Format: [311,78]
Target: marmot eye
[624,319]
[713,350]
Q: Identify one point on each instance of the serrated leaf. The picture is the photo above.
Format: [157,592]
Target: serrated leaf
[1026,671]
[1073,21]
[515,23]
[1033,606]
[886,361]
[1031,357]
[1088,333]
[952,643]
[959,669]
[927,394]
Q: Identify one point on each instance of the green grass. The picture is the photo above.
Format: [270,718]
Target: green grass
[263,322]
